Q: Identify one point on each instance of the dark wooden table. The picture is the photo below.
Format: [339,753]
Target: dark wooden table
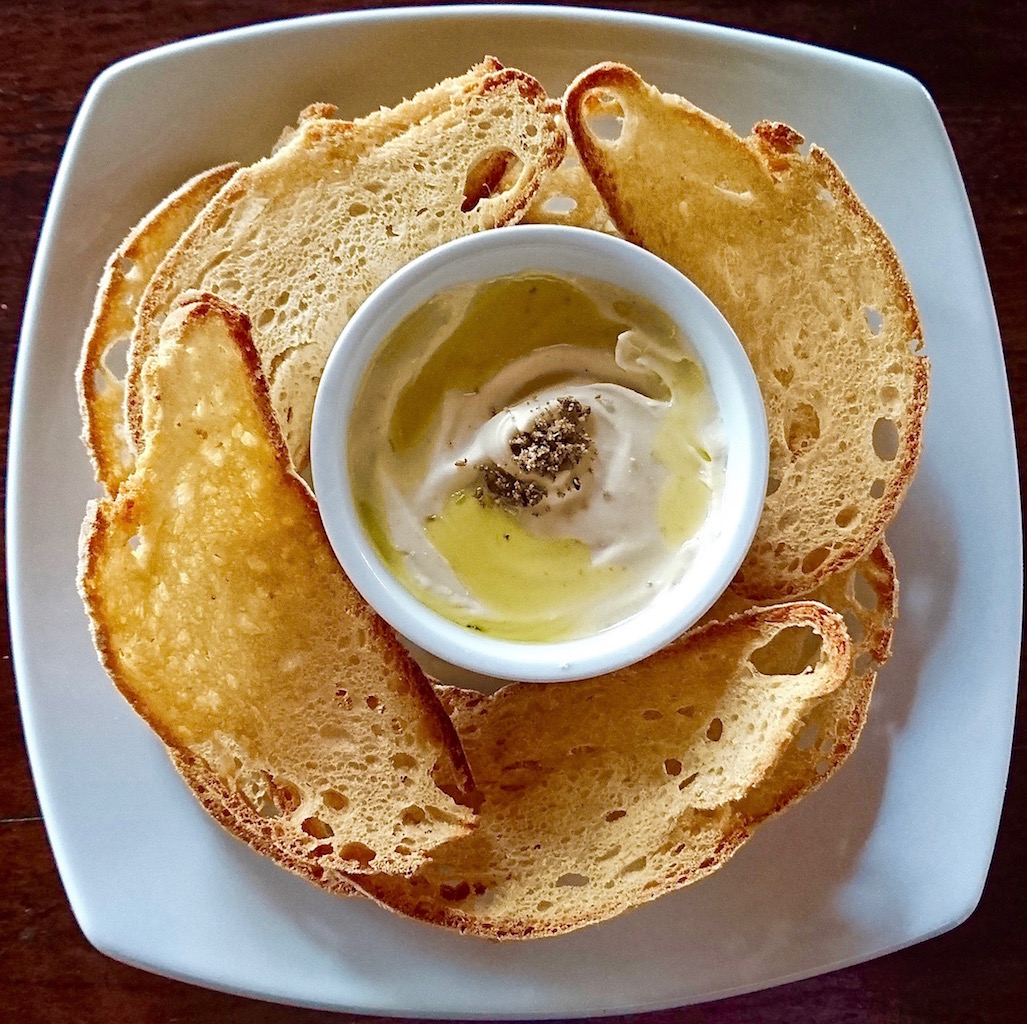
[971,56]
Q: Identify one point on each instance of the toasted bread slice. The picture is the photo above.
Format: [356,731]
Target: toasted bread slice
[814,291]
[300,239]
[603,794]
[101,385]
[222,615]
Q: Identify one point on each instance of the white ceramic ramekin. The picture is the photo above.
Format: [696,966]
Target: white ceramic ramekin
[559,250]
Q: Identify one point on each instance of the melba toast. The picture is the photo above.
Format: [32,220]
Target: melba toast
[813,289]
[298,240]
[101,385]
[606,793]
[221,614]
[602,795]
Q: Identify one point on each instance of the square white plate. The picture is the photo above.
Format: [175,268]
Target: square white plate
[893,850]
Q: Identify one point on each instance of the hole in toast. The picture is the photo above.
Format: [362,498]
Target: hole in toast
[815,559]
[317,828]
[875,319]
[636,865]
[115,358]
[102,382]
[604,117]
[715,731]
[572,878]
[652,715]
[362,854]
[286,795]
[490,175]
[267,796]
[334,800]
[773,483]
[886,439]
[672,766]
[808,737]
[615,815]
[877,489]
[792,651]
[846,516]
[803,428]
[559,205]
[413,815]
[685,783]
[853,624]
[455,893]
[864,593]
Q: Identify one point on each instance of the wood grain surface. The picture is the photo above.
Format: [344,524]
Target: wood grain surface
[970,55]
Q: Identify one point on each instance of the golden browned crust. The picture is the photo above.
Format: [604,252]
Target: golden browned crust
[577,104]
[125,276]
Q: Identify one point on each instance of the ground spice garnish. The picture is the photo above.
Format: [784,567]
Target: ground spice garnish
[510,489]
[557,441]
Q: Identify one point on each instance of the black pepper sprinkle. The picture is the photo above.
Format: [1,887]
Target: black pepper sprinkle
[555,442]
[510,489]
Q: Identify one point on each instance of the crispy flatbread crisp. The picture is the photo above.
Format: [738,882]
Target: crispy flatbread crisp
[300,239]
[101,386]
[222,615]
[600,795]
[813,289]
[289,707]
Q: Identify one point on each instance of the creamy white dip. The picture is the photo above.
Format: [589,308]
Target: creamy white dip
[613,529]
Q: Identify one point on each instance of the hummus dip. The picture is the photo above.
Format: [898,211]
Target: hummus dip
[536,457]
